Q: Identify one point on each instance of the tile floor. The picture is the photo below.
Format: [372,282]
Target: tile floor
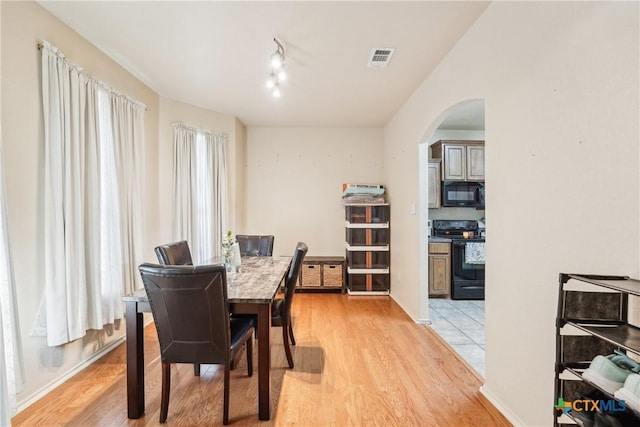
[461,325]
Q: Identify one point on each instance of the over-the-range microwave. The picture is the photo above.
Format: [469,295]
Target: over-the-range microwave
[463,193]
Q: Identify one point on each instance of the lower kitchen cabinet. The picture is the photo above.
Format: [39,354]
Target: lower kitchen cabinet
[439,269]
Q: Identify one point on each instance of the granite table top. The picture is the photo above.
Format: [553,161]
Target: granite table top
[257,281]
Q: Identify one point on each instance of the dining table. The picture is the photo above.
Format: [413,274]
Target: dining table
[250,290]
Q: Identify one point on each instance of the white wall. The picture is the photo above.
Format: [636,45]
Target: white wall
[294,183]
[560,83]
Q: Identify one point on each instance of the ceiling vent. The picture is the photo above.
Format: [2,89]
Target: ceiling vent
[380,57]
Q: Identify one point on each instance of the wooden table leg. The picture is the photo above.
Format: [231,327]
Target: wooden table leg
[264,361]
[135,361]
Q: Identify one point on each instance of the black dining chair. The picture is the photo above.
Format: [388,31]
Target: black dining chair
[281,308]
[191,313]
[254,245]
[176,253]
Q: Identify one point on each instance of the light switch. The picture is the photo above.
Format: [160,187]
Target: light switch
[412,209]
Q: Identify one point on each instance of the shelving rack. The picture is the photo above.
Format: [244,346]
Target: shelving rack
[367,248]
[592,320]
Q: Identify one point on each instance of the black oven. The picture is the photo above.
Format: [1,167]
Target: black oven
[467,275]
[467,257]
[462,193]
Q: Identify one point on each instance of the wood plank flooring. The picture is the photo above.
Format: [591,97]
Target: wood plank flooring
[360,361]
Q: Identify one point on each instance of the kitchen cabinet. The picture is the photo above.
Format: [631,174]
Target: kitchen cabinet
[433,177]
[461,160]
[592,320]
[439,269]
[475,162]
[367,249]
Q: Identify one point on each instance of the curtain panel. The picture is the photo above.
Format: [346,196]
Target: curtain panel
[11,367]
[93,138]
[200,190]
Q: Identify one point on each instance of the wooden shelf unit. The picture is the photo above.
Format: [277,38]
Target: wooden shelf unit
[367,249]
[321,274]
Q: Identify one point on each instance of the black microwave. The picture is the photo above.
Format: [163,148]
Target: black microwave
[462,193]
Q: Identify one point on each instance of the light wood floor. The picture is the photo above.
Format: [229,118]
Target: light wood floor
[360,361]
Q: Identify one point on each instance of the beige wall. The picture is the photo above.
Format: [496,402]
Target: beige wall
[294,183]
[172,111]
[562,164]
[24,24]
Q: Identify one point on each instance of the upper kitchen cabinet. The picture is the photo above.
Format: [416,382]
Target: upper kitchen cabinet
[433,170]
[461,160]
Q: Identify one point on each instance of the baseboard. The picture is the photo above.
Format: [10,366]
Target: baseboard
[497,403]
[39,394]
[368,293]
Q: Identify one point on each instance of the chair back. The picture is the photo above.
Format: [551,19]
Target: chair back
[255,245]
[190,310]
[176,253]
[292,277]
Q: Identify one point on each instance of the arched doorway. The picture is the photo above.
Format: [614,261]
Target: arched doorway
[457,319]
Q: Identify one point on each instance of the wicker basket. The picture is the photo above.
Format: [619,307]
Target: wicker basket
[310,275]
[332,275]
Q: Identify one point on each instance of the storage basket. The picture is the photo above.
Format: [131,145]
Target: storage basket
[332,275]
[310,275]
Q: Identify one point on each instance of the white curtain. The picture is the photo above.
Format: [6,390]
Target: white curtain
[200,195]
[91,146]
[11,369]
[64,102]
[127,118]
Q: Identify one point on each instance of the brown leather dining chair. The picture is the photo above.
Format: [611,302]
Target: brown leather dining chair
[281,308]
[176,253]
[253,245]
[191,313]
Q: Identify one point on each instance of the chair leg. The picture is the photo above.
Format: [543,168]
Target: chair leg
[196,369]
[225,409]
[166,386]
[293,340]
[250,356]
[287,349]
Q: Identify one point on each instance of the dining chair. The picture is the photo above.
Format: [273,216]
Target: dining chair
[191,313]
[281,308]
[254,245]
[176,253]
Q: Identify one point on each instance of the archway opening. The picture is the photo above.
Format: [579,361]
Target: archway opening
[451,278]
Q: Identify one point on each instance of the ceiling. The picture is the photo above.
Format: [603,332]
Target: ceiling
[215,54]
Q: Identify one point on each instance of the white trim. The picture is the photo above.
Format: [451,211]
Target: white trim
[350,292]
[47,388]
[348,224]
[367,270]
[510,416]
[381,248]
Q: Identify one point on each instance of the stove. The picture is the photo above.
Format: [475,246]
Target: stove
[467,258]
[457,229]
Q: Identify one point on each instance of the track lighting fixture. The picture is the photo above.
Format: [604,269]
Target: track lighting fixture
[278,74]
